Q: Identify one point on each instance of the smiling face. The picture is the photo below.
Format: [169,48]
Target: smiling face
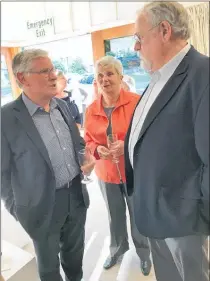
[108,79]
[40,79]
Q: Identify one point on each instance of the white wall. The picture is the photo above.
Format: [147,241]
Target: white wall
[70,18]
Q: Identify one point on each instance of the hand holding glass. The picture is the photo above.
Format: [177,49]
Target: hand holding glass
[111,142]
[85,159]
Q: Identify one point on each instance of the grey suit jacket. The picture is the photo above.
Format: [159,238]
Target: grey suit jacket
[27,177]
[170,179]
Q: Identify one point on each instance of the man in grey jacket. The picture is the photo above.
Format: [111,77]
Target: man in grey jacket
[40,173]
[167,146]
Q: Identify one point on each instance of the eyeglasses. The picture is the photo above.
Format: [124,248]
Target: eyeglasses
[139,38]
[45,72]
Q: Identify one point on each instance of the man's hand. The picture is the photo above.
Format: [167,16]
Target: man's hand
[117,149]
[87,168]
[103,152]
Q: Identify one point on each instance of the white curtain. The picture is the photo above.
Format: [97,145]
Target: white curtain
[199,16]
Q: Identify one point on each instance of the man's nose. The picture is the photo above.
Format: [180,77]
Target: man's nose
[105,78]
[53,75]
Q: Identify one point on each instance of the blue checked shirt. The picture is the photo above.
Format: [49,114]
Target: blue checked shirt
[57,139]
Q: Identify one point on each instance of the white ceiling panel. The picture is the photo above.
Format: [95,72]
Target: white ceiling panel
[102,12]
[80,15]
[127,10]
[70,18]
[61,12]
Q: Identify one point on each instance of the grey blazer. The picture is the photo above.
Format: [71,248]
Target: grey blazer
[170,180]
[27,177]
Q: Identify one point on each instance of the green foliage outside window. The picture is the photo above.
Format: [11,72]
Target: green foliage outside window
[59,65]
[77,66]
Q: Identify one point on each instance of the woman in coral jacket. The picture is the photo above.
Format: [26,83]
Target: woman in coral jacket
[111,113]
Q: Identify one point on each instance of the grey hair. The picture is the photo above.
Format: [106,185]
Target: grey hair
[172,12]
[22,61]
[108,61]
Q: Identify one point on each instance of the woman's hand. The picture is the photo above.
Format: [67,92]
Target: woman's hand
[103,152]
[117,149]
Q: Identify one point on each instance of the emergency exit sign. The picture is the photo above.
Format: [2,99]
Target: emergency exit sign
[41,28]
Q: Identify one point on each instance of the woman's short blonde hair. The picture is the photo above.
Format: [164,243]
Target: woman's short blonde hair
[109,61]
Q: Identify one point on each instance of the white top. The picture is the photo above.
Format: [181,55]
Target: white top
[158,80]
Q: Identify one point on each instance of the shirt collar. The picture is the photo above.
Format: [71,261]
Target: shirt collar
[155,76]
[169,68]
[33,107]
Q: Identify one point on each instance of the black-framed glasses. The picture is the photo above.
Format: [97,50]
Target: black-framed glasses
[139,38]
[45,72]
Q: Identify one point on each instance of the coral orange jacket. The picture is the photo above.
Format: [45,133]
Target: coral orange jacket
[96,124]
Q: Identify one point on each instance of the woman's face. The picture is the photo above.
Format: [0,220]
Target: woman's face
[61,83]
[108,80]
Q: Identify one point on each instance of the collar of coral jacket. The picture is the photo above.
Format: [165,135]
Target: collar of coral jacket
[124,98]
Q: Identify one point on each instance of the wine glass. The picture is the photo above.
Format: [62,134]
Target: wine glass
[84,159]
[111,142]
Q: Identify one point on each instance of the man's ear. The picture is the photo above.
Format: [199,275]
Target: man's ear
[166,30]
[21,79]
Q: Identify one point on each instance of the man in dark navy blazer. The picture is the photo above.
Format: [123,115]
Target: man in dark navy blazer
[167,145]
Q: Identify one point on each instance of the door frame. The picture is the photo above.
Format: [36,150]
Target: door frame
[98,38]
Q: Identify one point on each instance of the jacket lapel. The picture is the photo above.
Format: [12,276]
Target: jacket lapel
[72,127]
[26,120]
[165,95]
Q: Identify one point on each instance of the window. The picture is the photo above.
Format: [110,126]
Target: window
[6,90]
[122,49]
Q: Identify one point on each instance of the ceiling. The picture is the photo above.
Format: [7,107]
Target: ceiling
[70,19]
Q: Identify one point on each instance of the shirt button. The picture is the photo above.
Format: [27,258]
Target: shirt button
[57,131]
[69,165]
[64,148]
